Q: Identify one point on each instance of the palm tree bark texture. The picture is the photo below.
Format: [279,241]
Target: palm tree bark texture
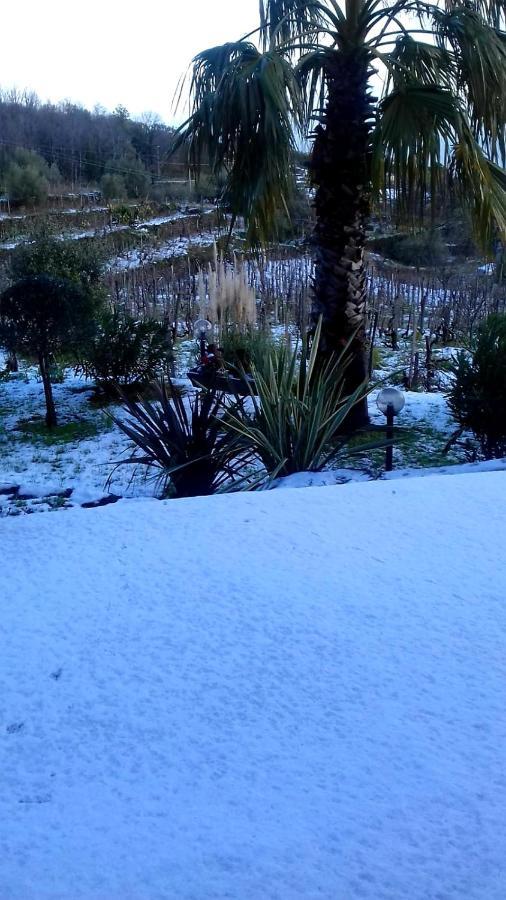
[340,168]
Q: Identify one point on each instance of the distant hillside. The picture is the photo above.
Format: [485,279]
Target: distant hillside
[81,146]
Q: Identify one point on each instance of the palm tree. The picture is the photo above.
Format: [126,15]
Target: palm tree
[440,118]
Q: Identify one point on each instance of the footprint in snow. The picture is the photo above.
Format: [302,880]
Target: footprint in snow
[15,727]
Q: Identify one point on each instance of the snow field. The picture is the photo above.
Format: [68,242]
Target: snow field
[294,694]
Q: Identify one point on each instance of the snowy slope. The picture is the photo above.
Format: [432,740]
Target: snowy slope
[294,694]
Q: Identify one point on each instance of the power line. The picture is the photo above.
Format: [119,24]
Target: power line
[64,155]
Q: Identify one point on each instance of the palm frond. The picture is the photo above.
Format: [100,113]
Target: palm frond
[422,128]
[417,129]
[482,186]
[491,11]
[480,63]
[246,108]
[312,73]
[282,21]
[418,63]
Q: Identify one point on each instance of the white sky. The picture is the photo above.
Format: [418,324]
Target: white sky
[113,51]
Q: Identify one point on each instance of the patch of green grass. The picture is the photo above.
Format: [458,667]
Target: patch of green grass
[36,430]
[443,365]
[417,446]
[378,359]
[57,502]
[422,446]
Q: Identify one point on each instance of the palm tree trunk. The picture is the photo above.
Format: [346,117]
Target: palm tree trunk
[341,171]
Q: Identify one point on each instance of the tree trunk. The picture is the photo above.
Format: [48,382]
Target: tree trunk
[12,364]
[341,170]
[51,420]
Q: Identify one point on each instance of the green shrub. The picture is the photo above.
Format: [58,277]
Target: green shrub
[113,187]
[27,177]
[477,397]
[78,261]
[426,249]
[127,354]
[177,193]
[242,350]
[377,359]
[54,304]
[184,445]
[133,173]
[25,185]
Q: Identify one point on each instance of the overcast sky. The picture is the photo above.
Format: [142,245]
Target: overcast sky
[113,51]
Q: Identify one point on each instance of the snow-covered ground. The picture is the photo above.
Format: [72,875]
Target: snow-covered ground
[167,250]
[78,459]
[296,694]
[43,465]
[108,229]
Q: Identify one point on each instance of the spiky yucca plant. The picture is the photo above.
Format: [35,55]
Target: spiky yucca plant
[184,445]
[298,410]
[442,115]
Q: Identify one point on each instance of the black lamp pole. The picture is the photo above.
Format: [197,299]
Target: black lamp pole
[202,346]
[389,457]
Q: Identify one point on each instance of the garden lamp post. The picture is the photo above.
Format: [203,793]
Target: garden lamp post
[202,327]
[390,402]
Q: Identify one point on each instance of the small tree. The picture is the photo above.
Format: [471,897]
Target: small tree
[133,173]
[25,185]
[113,187]
[42,316]
[54,302]
[27,177]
